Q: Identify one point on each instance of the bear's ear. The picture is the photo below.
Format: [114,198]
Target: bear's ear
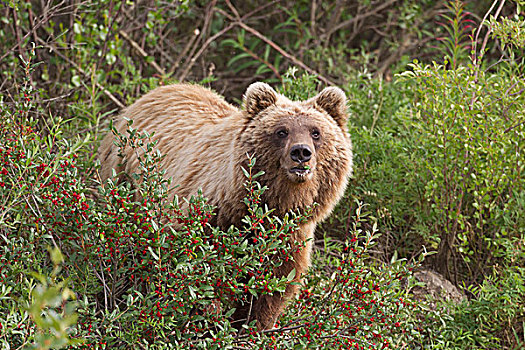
[258,97]
[332,100]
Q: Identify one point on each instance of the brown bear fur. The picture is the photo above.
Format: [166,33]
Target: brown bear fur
[205,141]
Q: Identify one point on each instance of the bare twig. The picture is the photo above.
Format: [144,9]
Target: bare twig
[485,40]
[48,14]
[247,317]
[335,16]
[31,19]
[207,21]
[262,60]
[184,52]
[520,123]
[103,280]
[18,34]
[203,47]
[313,11]
[488,32]
[513,127]
[234,10]
[477,58]
[357,18]
[77,67]
[259,9]
[290,57]
[143,53]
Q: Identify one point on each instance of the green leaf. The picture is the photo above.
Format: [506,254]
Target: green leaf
[237,58]
[291,275]
[155,256]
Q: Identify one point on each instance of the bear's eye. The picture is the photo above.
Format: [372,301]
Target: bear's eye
[316,134]
[282,133]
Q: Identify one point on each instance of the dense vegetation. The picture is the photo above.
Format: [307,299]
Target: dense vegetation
[436,94]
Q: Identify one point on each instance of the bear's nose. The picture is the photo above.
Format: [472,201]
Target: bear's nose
[301,153]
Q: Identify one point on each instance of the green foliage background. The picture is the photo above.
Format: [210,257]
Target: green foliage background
[436,94]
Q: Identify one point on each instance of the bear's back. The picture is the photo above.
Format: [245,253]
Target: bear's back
[194,128]
[177,107]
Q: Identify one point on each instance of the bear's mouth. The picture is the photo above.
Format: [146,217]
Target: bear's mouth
[301,171]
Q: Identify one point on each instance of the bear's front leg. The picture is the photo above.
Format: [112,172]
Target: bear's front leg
[267,308]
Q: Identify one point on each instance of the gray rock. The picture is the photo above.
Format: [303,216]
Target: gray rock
[436,287]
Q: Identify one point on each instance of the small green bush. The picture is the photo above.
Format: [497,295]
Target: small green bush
[469,127]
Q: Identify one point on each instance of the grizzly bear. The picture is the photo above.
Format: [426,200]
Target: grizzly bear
[303,147]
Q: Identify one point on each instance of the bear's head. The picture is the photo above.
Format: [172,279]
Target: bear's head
[297,140]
